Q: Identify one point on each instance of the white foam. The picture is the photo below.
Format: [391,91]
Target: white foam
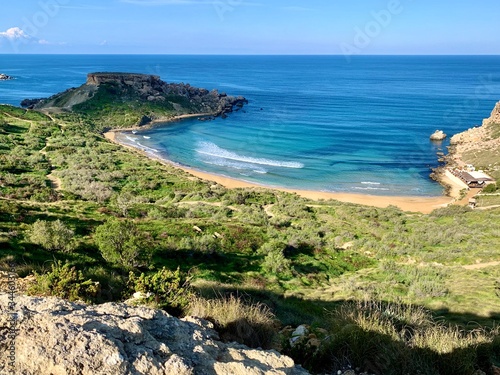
[370,183]
[211,149]
[131,139]
[370,188]
[235,165]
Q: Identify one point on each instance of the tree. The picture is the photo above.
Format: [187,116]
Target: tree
[122,243]
[52,235]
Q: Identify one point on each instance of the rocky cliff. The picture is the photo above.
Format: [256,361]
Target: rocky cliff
[58,337]
[147,96]
[478,145]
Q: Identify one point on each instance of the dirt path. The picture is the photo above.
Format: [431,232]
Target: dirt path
[267,210]
[479,266]
[216,204]
[55,182]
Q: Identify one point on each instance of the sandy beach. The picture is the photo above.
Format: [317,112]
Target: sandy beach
[407,203]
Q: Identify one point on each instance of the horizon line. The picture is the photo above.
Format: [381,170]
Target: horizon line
[241,54]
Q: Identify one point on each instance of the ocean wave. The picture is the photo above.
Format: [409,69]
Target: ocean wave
[140,145]
[131,139]
[370,183]
[235,165]
[370,188]
[211,149]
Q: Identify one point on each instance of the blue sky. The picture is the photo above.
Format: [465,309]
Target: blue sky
[250,27]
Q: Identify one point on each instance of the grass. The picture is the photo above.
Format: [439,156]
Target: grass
[252,324]
[333,252]
[401,339]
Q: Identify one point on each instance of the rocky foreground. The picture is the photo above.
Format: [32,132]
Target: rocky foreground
[59,337]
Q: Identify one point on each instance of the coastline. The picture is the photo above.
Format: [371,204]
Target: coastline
[423,205]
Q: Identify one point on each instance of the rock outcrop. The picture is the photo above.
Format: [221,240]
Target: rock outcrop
[5,77]
[481,133]
[438,135]
[145,88]
[58,337]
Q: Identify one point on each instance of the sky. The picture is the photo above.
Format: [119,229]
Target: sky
[349,27]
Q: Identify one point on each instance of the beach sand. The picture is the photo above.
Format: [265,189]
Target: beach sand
[406,203]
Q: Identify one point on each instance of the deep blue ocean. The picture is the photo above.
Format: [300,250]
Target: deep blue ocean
[312,122]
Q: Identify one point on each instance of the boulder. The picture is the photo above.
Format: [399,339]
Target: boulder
[5,77]
[55,336]
[438,135]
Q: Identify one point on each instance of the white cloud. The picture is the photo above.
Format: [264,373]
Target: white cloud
[15,33]
[104,43]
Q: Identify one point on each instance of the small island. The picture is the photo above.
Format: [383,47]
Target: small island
[118,100]
[5,77]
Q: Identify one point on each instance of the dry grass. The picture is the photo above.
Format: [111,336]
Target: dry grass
[252,324]
[399,339]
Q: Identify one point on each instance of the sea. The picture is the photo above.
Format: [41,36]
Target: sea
[323,123]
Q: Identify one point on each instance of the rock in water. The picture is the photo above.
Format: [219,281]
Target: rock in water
[59,337]
[5,77]
[438,135]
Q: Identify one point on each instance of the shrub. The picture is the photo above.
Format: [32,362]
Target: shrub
[66,282]
[169,290]
[122,243]
[251,324]
[276,263]
[52,235]
[490,188]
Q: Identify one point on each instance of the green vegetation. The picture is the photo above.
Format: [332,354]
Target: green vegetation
[115,105]
[51,235]
[397,339]
[97,222]
[65,281]
[169,290]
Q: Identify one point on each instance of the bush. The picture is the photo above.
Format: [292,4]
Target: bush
[275,262]
[66,282]
[122,243]
[52,235]
[490,188]
[169,290]
[251,324]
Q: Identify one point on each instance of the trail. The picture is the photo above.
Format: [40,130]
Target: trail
[216,204]
[479,266]
[267,210]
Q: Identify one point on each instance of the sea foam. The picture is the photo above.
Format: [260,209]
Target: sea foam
[211,149]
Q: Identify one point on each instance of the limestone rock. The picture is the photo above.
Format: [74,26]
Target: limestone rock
[60,337]
[438,135]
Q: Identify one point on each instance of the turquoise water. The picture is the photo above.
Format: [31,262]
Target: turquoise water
[312,122]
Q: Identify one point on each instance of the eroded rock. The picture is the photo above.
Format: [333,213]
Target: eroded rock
[60,337]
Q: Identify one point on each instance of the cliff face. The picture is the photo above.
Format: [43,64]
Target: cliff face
[479,146]
[125,78]
[472,136]
[59,337]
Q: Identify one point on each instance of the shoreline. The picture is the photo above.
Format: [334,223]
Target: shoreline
[423,205]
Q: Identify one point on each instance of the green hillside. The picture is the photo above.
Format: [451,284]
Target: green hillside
[377,284]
